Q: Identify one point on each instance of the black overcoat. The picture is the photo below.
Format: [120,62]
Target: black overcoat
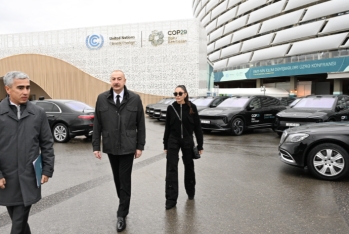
[20,144]
[123,130]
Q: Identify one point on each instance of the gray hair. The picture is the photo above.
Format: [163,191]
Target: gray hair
[8,78]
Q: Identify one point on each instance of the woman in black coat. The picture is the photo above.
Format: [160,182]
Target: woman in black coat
[179,135]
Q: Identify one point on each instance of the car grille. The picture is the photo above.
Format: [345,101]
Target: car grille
[156,113]
[300,120]
[211,117]
[208,126]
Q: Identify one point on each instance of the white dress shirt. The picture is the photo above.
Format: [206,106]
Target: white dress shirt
[121,96]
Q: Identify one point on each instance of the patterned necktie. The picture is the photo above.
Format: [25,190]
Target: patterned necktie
[18,112]
[118,101]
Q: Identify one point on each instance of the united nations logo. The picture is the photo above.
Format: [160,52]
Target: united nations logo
[94,41]
[156,38]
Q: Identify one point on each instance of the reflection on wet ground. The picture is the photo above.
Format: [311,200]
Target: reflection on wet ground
[242,187]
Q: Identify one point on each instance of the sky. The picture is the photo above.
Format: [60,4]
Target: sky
[20,16]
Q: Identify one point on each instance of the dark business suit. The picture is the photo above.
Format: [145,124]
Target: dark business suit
[123,132]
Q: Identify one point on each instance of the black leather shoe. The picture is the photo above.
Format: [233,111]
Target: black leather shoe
[121,224]
[168,207]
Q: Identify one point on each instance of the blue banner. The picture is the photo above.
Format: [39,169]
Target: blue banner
[289,69]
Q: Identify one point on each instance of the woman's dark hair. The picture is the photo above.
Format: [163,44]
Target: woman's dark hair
[186,99]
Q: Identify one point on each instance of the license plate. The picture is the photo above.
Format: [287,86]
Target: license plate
[205,121]
[292,124]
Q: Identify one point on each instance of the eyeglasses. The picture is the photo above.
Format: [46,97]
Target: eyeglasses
[179,93]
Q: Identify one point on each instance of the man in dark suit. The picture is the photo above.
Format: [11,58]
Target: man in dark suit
[119,119]
[24,132]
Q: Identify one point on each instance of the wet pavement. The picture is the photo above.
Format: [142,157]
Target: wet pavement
[242,187]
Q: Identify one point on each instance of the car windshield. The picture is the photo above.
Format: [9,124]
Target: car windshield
[295,102]
[234,102]
[316,102]
[203,101]
[78,106]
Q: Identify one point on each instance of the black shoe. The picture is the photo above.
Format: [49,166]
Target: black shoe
[191,197]
[121,224]
[168,207]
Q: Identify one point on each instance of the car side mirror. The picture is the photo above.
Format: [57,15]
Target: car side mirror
[213,105]
[339,108]
[249,107]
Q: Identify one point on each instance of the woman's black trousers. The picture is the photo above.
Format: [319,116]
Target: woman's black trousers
[174,144]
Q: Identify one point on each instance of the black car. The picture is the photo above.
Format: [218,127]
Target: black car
[68,118]
[167,102]
[322,147]
[200,102]
[147,108]
[239,113]
[311,109]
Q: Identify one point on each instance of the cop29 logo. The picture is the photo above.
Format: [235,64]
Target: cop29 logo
[156,38]
[94,41]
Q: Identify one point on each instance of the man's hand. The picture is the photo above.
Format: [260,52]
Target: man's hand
[2,183]
[138,153]
[44,179]
[201,152]
[97,154]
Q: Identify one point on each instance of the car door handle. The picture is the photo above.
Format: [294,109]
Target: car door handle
[50,116]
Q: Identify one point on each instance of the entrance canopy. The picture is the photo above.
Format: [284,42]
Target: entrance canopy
[338,75]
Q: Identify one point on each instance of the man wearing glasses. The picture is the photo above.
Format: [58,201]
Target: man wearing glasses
[119,119]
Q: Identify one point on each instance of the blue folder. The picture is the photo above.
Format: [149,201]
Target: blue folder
[38,170]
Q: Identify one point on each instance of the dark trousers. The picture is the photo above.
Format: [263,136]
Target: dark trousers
[19,216]
[121,166]
[174,144]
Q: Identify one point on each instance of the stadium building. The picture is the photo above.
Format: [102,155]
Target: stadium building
[298,45]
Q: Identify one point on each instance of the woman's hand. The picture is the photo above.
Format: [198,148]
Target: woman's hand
[201,152]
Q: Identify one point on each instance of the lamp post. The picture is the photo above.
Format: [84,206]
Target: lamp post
[263,90]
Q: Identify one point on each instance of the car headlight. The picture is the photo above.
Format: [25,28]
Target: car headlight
[297,137]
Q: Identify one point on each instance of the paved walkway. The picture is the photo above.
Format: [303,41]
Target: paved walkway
[242,187]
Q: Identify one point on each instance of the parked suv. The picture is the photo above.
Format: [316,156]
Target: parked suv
[312,109]
[239,113]
[149,106]
[200,102]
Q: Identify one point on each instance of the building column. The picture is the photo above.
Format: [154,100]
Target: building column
[337,86]
[259,83]
[293,86]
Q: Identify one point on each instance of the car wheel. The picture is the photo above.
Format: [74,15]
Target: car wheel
[60,133]
[328,161]
[237,127]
